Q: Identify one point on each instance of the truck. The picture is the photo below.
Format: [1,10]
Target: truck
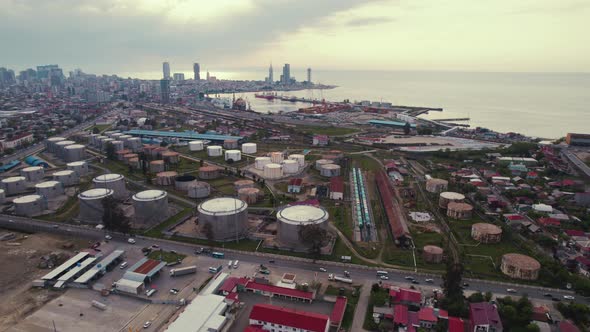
[183,270]
[213,269]
[99,305]
[333,277]
[346,258]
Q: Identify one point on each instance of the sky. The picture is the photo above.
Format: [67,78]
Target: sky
[115,36]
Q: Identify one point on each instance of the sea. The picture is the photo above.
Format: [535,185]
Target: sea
[544,105]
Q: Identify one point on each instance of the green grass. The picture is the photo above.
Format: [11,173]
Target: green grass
[331,131]
[101,128]
[166,256]
[157,230]
[366,163]
[352,296]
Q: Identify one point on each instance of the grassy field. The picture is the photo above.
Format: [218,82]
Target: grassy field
[365,163]
[166,256]
[101,128]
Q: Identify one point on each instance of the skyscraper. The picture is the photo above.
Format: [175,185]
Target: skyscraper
[178,76]
[197,71]
[308,75]
[286,74]
[165,91]
[166,69]
[270,74]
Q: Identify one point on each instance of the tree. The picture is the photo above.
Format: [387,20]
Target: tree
[110,151]
[314,237]
[407,128]
[113,216]
[208,231]
[577,312]
[488,296]
[476,297]
[95,130]
[454,301]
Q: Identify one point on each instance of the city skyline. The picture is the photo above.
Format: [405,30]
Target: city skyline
[530,36]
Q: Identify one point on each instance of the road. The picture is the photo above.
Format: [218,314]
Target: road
[361,274]
[581,165]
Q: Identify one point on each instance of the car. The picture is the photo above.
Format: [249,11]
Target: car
[147,324]
[465,284]
[547,295]
[174,291]
[272,261]
[409,278]
[108,237]
[429,280]
[511,290]
[346,273]
[10,220]
[415,282]
[123,265]
[384,277]
[556,299]
[323,269]
[171,251]
[131,241]
[569,297]
[198,251]
[155,246]
[95,245]
[55,226]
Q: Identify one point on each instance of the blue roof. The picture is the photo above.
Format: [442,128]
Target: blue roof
[185,135]
[9,165]
[34,161]
[390,123]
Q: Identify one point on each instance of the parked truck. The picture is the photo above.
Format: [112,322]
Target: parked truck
[333,277]
[99,305]
[183,270]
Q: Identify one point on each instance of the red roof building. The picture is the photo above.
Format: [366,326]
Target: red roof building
[254,328]
[338,311]
[574,232]
[336,188]
[568,326]
[456,324]
[485,316]
[279,291]
[405,296]
[548,222]
[400,315]
[427,318]
[270,317]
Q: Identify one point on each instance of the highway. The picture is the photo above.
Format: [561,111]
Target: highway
[359,273]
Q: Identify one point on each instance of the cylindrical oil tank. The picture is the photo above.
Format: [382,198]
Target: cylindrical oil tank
[134,144]
[290,166]
[124,138]
[291,218]
[33,173]
[49,189]
[432,254]
[60,148]
[249,148]
[115,182]
[448,196]
[51,142]
[273,171]
[106,142]
[127,158]
[151,207]
[2,196]
[80,167]
[119,145]
[116,136]
[91,208]
[182,182]
[337,153]
[330,170]
[108,133]
[300,158]
[74,152]
[157,166]
[30,205]
[98,141]
[519,266]
[436,185]
[214,151]
[459,210]
[209,172]
[227,216]
[166,178]
[276,157]
[171,157]
[249,195]
[196,146]
[230,144]
[14,185]
[133,162]
[486,233]
[121,154]
[67,177]
[320,162]
[92,139]
[241,184]
[198,189]
[332,157]
[234,155]
[260,162]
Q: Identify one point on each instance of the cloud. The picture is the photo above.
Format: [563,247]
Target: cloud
[364,21]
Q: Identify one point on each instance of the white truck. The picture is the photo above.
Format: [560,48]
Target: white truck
[99,305]
[183,270]
[333,277]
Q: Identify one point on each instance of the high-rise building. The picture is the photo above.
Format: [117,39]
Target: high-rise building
[178,76]
[165,91]
[166,69]
[208,76]
[197,71]
[270,75]
[308,75]
[286,74]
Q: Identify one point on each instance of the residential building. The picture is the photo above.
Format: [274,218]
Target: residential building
[166,70]
[286,78]
[484,317]
[16,141]
[165,91]
[308,75]
[280,319]
[320,140]
[405,296]
[178,76]
[196,71]
[336,188]
[578,139]
[295,185]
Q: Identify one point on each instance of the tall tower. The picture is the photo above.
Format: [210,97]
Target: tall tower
[166,69]
[197,71]
[286,73]
[165,91]
[208,76]
[308,75]
[270,75]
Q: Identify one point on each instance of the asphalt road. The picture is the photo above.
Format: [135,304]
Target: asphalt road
[360,274]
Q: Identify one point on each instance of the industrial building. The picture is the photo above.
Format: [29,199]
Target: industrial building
[276,318]
[140,273]
[66,271]
[101,267]
[151,207]
[183,136]
[519,266]
[577,139]
[115,182]
[486,233]
[448,196]
[29,205]
[14,185]
[459,210]
[227,216]
[397,226]
[394,124]
[291,218]
[91,208]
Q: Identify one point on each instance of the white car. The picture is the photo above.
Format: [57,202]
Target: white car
[108,237]
[384,277]
[429,280]
[569,297]
[132,241]
[511,290]
[147,324]
[323,269]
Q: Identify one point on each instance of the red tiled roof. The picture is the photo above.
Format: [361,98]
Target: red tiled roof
[405,295]
[229,284]
[296,182]
[443,314]
[513,217]
[546,221]
[540,314]
[279,290]
[427,314]
[400,314]
[147,266]
[254,328]
[289,317]
[575,232]
[568,326]
[456,324]
[338,310]
[232,296]
[413,320]
[484,314]
[336,185]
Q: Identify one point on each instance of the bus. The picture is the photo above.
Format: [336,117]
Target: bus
[217,254]
[382,273]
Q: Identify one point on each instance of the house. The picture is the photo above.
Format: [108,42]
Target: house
[427,318]
[405,296]
[548,222]
[484,317]
[400,315]
[280,319]
[583,266]
[532,175]
[512,217]
[336,188]
[295,185]
[567,326]
[16,141]
[320,140]
[457,324]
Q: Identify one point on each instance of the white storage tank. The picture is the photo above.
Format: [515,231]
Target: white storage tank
[260,162]
[196,146]
[74,152]
[291,218]
[115,182]
[67,177]
[151,207]
[29,206]
[449,196]
[273,171]
[214,151]
[276,157]
[80,167]
[330,170]
[227,216]
[49,189]
[33,173]
[249,148]
[51,142]
[2,196]
[320,162]
[119,145]
[235,155]
[60,148]
[230,144]
[14,185]
[91,209]
[290,166]
[300,158]
[134,144]
[198,189]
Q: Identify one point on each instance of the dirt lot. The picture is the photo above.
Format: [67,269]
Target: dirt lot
[19,268]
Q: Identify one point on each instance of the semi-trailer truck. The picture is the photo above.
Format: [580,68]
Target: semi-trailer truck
[333,277]
[183,270]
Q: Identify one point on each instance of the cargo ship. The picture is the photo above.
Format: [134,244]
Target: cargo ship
[266,95]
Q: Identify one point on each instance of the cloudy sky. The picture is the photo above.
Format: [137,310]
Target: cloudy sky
[116,36]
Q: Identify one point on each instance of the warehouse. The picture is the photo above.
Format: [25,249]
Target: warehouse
[183,136]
